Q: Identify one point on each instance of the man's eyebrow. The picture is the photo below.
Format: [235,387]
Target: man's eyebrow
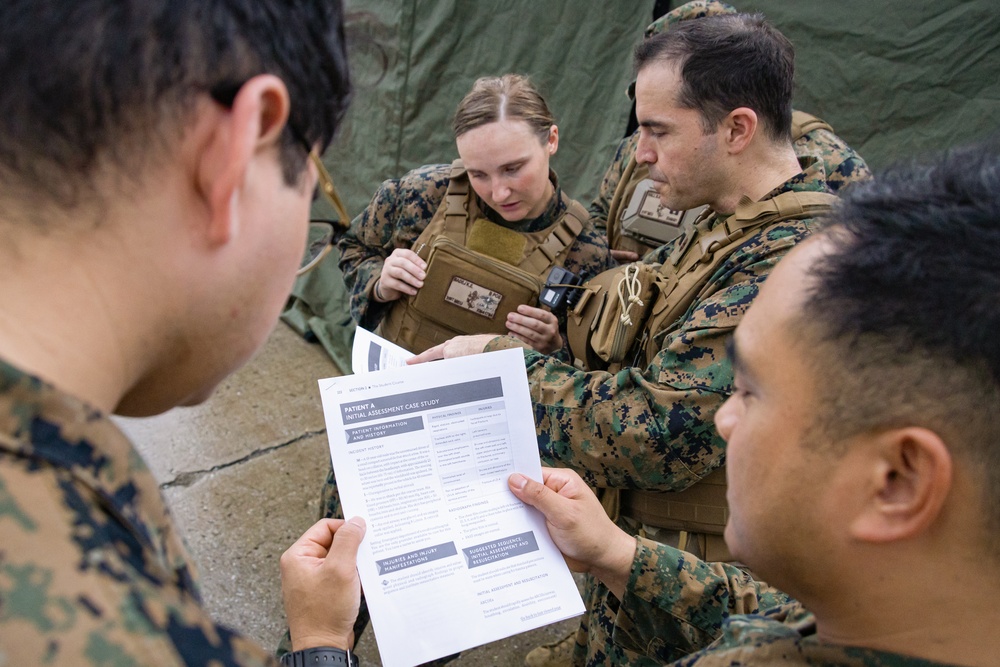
[652,124]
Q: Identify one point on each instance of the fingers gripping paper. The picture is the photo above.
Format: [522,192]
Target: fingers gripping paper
[451,559]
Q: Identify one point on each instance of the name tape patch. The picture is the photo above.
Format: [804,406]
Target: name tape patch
[472,297]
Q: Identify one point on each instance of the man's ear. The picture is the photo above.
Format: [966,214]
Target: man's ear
[909,478]
[252,126]
[739,128]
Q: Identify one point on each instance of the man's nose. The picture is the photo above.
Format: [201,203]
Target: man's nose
[644,154]
[726,418]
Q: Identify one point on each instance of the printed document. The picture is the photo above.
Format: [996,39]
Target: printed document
[451,558]
[372,353]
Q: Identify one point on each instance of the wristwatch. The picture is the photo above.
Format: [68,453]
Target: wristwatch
[320,657]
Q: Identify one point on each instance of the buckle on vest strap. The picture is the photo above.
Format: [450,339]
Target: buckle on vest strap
[788,207]
[711,242]
[564,235]
[550,247]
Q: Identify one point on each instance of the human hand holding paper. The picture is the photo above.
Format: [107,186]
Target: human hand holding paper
[589,541]
[320,584]
[451,559]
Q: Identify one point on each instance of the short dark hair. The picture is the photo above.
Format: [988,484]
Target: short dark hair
[91,83]
[905,307]
[726,62]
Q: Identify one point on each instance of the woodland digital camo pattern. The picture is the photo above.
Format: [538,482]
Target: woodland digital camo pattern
[669,584]
[402,208]
[651,428]
[841,163]
[399,211]
[700,614]
[92,571]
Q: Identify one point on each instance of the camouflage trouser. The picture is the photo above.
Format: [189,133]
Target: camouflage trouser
[594,644]
[329,508]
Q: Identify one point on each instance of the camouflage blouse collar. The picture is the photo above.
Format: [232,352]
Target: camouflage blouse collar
[41,423]
[38,421]
[554,211]
[787,634]
[812,178]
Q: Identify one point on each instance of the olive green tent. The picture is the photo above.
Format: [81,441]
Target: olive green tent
[894,79]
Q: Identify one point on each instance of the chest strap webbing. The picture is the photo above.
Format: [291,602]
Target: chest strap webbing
[617,201]
[539,256]
[702,508]
[700,253]
[802,124]
[562,236]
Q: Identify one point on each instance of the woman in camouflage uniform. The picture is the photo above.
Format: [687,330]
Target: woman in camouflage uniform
[505,135]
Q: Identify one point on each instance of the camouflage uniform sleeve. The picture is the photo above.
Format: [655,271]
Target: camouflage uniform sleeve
[785,634]
[399,211]
[651,428]
[602,203]
[589,254]
[841,163]
[75,588]
[675,604]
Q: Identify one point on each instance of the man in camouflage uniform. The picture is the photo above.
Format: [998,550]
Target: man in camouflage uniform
[712,132]
[154,201]
[864,472]
[841,163]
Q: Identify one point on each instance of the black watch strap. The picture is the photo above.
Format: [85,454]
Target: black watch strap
[320,657]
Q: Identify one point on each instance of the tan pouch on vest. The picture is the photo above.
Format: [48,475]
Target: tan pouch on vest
[611,311]
[467,292]
[700,508]
[470,292]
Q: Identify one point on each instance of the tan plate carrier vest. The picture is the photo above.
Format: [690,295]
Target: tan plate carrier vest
[666,293]
[469,292]
[651,224]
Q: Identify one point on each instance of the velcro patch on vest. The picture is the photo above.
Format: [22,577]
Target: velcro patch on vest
[647,217]
[472,297]
[654,209]
[646,203]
